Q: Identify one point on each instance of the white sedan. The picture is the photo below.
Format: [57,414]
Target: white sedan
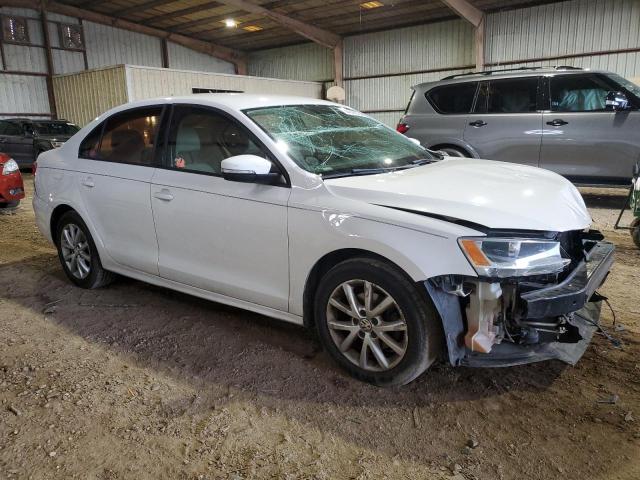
[313,213]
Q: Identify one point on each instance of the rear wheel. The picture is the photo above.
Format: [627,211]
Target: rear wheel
[376,323]
[78,253]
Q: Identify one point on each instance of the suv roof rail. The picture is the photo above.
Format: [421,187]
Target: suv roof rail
[519,69]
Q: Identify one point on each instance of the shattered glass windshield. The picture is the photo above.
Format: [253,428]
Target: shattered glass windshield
[335,140]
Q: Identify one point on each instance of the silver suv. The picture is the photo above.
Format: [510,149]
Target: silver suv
[582,124]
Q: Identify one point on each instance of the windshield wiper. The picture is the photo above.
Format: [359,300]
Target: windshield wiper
[365,171]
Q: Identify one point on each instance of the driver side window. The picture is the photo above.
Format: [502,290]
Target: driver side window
[200,139]
[578,93]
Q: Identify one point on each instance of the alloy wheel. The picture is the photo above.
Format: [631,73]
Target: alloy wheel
[75,251]
[367,325]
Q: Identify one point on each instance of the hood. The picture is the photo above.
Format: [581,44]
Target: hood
[492,194]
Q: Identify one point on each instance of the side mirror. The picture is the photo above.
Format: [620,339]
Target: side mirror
[248,169]
[617,101]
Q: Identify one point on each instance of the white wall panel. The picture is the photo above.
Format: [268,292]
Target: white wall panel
[565,28]
[67,62]
[25,59]
[112,46]
[158,82]
[23,94]
[183,58]
[308,61]
[425,47]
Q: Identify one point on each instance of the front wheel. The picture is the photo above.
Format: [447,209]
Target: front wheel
[376,323]
[78,253]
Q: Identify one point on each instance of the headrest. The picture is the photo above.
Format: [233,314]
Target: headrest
[187,140]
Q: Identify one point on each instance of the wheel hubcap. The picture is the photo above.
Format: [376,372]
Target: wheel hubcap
[367,325]
[75,251]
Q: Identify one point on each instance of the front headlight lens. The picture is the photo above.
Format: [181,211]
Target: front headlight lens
[57,144]
[10,167]
[513,257]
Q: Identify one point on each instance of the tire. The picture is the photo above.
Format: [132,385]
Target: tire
[635,231]
[9,208]
[420,341]
[74,242]
[453,152]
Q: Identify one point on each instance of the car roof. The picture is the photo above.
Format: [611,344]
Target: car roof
[506,74]
[235,101]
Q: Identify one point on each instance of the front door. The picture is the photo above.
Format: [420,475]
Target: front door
[583,140]
[114,175]
[225,237]
[506,124]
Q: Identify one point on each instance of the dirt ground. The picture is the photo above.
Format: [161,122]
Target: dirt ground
[135,381]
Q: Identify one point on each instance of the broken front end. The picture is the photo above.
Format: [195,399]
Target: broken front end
[534,298]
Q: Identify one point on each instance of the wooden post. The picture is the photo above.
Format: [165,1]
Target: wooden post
[338,64]
[49,57]
[480,45]
[164,44]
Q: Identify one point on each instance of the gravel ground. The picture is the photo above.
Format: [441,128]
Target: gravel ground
[135,381]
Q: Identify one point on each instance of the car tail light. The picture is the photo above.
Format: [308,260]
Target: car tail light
[402,127]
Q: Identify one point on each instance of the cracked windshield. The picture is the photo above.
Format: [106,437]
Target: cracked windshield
[335,141]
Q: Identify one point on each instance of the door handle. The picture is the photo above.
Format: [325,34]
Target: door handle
[88,182]
[558,122]
[164,195]
[478,123]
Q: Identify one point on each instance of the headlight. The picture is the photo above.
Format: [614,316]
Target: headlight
[10,167]
[513,257]
[57,144]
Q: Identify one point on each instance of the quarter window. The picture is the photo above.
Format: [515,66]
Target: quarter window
[518,95]
[453,99]
[200,139]
[91,143]
[579,93]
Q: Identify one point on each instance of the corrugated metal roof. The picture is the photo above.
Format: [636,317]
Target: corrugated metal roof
[203,19]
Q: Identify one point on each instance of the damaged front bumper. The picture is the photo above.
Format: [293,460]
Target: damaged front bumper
[499,324]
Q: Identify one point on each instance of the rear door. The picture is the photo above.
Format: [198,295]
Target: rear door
[15,143]
[438,117]
[117,162]
[506,123]
[583,140]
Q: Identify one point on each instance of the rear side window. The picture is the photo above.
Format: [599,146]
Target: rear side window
[452,99]
[127,137]
[11,129]
[518,95]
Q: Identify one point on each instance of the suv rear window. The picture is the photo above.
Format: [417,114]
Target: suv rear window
[451,99]
[514,95]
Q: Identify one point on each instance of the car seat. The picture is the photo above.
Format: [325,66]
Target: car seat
[127,146]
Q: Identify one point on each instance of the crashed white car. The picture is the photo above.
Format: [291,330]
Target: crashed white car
[311,212]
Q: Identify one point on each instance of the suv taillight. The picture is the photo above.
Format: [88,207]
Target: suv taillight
[402,127]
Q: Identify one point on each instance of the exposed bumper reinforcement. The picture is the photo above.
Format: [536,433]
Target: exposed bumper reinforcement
[576,290]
